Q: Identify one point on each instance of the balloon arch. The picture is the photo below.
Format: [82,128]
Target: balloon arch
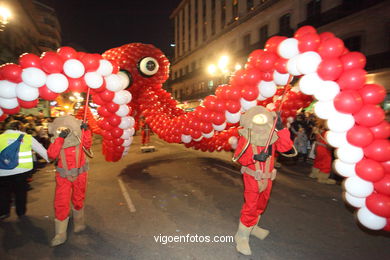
[327,71]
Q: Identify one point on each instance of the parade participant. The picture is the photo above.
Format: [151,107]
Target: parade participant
[14,181]
[71,173]
[145,131]
[323,156]
[258,171]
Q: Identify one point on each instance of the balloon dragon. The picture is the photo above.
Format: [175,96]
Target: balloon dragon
[127,84]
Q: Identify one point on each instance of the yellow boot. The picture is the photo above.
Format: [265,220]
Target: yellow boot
[61,227]
[324,178]
[314,173]
[78,220]
[242,239]
[259,232]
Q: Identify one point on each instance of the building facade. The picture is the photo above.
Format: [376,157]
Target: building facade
[211,32]
[33,27]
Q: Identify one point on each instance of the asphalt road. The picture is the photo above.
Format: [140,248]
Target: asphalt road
[176,191]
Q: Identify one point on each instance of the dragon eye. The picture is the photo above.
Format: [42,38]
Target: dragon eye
[148,66]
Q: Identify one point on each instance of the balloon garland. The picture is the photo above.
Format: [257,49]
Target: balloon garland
[327,71]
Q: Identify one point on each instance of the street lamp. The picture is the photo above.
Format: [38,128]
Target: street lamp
[5,15]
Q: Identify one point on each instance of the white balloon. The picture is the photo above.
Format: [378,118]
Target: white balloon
[57,83]
[324,109]
[267,88]
[232,117]
[26,93]
[340,122]
[74,68]
[345,169]
[113,83]
[9,103]
[127,142]
[123,111]
[260,97]
[124,79]
[34,77]
[233,141]
[7,89]
[336,139]
[308,62]
[354,201]
[358,187]
[370,220]
[93,80]
[292,66]
[208,135]
[126,134]
[219,127]
[310,83]
[349,153]
[126,122]
[1,112]
[105,68]
[246,105]
[288,48]
[199,139]
[281,79]
[186,138]
[131,131]
[327,91]
[121,97]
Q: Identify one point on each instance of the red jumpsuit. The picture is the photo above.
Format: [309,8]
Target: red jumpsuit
[64,187]
[256,202]
[145,132]
[323,159]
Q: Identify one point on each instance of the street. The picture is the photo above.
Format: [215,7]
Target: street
[134,204]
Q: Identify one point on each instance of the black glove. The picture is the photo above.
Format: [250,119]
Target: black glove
[279,122]
[64,133]
[261,157]
[84,126]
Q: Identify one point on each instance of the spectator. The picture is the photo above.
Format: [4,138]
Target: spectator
[14,181]
[301,142]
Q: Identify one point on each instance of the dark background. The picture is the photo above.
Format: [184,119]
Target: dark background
[98,25]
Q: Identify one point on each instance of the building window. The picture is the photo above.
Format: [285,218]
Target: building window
[263,35]
[235,9]
[181,73]
[204,33]
[313,8]
[212,17]
[187,69]
[353,43]
[189,25]
[193,66]
[175,74]
[246,40]
[196,22]
[284,24]
[223,13]
[249,5]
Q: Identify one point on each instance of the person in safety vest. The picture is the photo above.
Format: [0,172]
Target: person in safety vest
[257,168]
[67,146]
[14,181]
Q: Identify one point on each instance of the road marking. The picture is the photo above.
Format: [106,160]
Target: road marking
[126,195]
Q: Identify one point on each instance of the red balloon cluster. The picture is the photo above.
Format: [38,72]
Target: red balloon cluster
[92,123]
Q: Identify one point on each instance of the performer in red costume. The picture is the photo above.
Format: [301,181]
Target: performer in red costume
[145,131]
[257,169]
[323,160]
[71,173]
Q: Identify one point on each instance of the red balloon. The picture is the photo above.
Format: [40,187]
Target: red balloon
[304,30]
[360,136]
[29,60]
[106,125]
[107,95]
[252,77]
[67,53]
[272,43]
[264,61]
[331,48]
[233,106]
[218,118]
[353,60]
[97,99]
[91,62]
[387,227]
[369,115]
[281,65]
[195,134]
[238,78]
[194,124]
[309,42]
[117,132]
[11,72]
[330,69]
[209,102]
[379,204]
[381,131]
[386,166]
[11,111]
[249,92]
[115,67]
[118,141]
[47,94]
[103,111]
[112,107]
[348,102]
[77,85]
[28,104]
[383,186]
[352,79]
[220,105]
[206,127]
[378,150]
[370,170]
[373,93]
[51,62]
[234,93]
[326,35]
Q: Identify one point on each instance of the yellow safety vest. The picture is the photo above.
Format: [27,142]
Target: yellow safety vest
[25,151]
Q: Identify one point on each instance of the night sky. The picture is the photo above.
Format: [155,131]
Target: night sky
[98,25]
